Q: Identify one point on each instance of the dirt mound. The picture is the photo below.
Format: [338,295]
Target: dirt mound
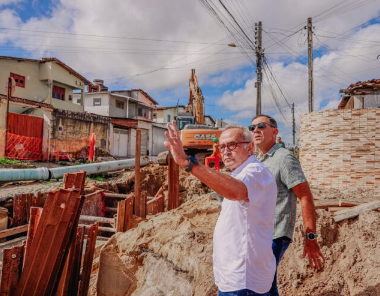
[154,176]
[352,251]
[170,254]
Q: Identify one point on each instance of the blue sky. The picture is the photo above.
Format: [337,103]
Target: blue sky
[154,45]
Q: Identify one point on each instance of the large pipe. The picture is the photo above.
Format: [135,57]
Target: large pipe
[95,168]
[7,175]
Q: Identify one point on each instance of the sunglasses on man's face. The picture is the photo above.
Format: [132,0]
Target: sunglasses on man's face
[260,125]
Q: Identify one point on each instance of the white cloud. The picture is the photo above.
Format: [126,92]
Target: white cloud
[125,62]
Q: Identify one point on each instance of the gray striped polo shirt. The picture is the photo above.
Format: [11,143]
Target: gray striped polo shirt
[287,171]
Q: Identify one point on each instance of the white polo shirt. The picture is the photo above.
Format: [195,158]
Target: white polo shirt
[243,256]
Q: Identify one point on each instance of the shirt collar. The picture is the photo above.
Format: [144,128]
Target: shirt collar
[250,159]
[271,152]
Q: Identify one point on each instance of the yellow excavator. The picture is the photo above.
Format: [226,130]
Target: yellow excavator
[196,137]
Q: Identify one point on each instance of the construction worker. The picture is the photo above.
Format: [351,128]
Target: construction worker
[244,263]
[280,142]
[291,183]
[215,156]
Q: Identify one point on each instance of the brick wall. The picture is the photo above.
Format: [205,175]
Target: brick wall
[341,148]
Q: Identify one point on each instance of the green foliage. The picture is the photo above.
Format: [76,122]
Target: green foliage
[4,160]
[96,178]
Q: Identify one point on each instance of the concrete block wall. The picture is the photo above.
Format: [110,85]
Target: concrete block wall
[341,148]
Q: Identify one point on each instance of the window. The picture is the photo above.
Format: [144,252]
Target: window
[168,117]
[97,101]
[119,104]
[20,80]
[58,93]
[139,111]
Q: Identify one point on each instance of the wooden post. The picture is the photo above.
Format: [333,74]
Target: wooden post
[129,212]
[12,266]
[137,171]
[121,210]
[173,180]
[143,198]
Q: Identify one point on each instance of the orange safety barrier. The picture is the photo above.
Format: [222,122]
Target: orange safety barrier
[214,159]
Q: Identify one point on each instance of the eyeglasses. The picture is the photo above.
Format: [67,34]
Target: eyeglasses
[230,146]
[260,125]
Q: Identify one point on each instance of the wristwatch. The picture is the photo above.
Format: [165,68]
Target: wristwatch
[311,236]
[192,162]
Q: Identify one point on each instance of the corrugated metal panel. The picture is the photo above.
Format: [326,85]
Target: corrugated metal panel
[158,140]
[25,125]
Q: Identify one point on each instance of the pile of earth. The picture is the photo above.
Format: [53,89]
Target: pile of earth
[171,254]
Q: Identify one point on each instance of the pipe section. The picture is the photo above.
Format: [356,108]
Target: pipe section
[95,168]
[7,175]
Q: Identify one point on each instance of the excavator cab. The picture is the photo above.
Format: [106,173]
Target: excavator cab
[182,121]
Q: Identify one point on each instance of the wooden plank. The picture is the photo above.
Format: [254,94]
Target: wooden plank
[129,212]
[115,195]
[137,172]
[12,266]
[324,204]
[173,184]
[88,258]
[14,230]
[155,205]
[352,203]
[334,209]
[19,210]
[49,244]
[97,219]
[355,211]
[35,215]
[143,198]
[121,210]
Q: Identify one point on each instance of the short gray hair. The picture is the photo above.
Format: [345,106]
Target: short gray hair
[247,135]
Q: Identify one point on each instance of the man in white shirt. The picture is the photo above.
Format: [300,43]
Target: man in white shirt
[244,263]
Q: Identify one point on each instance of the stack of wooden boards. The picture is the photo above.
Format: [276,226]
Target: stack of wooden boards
[50,261]
[345,209]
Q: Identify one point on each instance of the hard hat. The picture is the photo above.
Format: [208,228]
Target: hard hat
[215,139]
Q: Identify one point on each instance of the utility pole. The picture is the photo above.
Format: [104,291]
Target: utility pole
[310,63]
[259,63]
[294,127]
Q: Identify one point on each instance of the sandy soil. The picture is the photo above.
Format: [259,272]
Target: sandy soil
[171,254]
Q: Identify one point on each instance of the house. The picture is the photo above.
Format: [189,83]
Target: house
[129,110]
[209,121]
[167,114]
[40,109]
[360,95]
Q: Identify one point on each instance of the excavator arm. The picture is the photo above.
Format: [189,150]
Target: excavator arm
[196,99]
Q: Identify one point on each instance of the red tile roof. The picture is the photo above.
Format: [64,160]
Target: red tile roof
[28,102]
[124,122]
[55,60]
[359,88]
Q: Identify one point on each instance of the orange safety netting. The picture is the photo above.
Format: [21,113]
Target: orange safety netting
[23,147]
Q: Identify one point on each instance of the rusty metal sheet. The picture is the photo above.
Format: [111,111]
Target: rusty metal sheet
[88,258]
[49,244]
[12,265]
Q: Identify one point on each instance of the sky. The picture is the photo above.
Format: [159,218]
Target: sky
[153,45]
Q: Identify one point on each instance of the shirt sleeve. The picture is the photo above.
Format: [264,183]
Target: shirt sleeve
[254,177]
[291,172]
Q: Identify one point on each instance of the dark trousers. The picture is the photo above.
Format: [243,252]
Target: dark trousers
[279,246]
